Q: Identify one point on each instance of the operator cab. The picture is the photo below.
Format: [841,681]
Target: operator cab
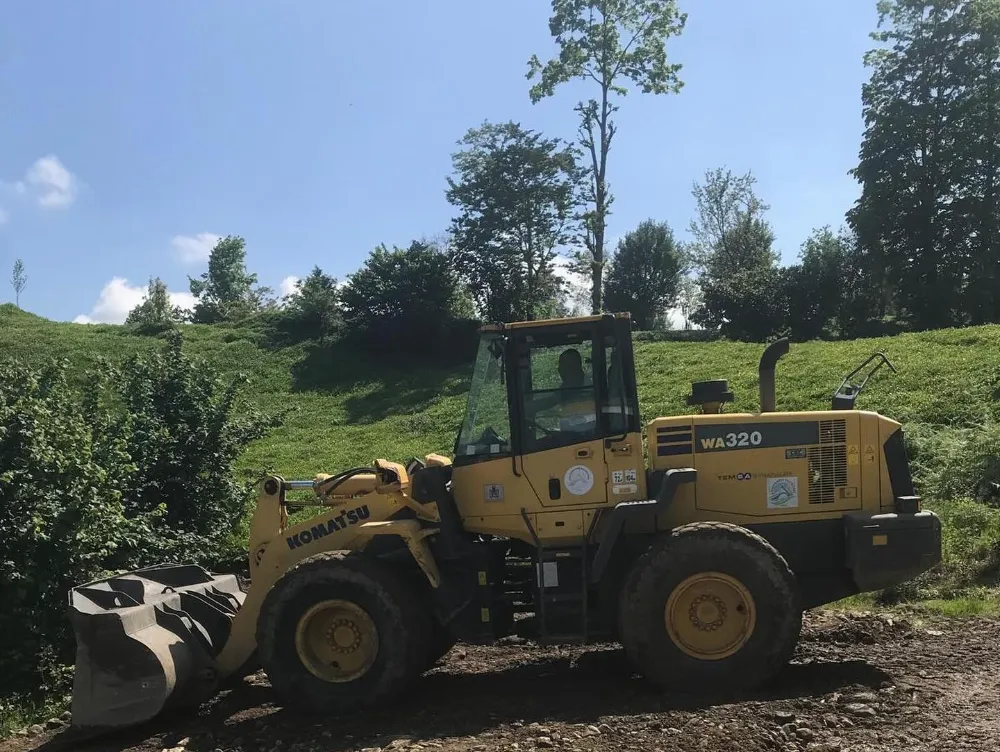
[543,385]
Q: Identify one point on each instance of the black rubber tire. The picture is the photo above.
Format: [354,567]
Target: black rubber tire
[704,547]
[399,617]
[440,644]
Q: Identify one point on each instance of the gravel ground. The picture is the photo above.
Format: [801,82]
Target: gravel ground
[858,682]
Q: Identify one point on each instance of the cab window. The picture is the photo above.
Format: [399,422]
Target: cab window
[558,393]
[485,432]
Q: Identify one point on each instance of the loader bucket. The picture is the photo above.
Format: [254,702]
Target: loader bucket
[147,640]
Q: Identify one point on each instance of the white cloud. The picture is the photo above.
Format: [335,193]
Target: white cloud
[56,185]
[119,297]
[114,303]
[195,249]
[287,286]
[183,300]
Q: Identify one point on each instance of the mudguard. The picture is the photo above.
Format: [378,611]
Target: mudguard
[147,640]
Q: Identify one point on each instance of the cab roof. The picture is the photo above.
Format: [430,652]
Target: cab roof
[567,321]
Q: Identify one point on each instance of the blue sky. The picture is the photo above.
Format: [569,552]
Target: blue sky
[132,134]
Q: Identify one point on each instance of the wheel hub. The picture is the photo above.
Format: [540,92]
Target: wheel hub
[710,615]
[707,612]
[337,641]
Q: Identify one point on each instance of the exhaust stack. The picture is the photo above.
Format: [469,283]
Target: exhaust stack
[768,360]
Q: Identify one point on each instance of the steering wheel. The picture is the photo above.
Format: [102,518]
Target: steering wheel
[533,424]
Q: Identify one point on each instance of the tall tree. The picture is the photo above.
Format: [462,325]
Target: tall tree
[18,280]
[981,136]
[156,312]
[516,194]
[729,229]
[644,275]
[606,43]
[911,158]
[227,291]
[743,291]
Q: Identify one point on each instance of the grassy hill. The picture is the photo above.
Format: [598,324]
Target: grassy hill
[347,410]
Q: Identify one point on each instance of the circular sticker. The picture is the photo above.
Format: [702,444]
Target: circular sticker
[578,480]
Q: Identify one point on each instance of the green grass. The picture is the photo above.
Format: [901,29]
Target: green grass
[17,712]
[348,410]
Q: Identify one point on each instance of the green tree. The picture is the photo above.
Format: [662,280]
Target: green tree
[816,285]
[156,312]
[729,229]
[516,194]
[18,280]
[644,275]
[401,297]
[744,294]
[313,310]
[227,291]
[750,305]
[607,44]
[980,190]
[911,161]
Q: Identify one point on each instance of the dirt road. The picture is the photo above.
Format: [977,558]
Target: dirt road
[856,683]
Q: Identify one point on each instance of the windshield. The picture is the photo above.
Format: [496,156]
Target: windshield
[486,429]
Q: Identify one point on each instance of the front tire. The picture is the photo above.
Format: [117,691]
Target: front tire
[711,607]
[339,632]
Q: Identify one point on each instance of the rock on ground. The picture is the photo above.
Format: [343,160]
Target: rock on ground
[857,682]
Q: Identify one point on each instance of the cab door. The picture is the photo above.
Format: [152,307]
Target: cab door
[621,427]
[561,442]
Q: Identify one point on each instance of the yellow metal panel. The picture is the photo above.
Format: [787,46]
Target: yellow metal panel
[555,525]
[761,468]
[871,461]
[625,470]
[579,470]
[490,497]
[275,549]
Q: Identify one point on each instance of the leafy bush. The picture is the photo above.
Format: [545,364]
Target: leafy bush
[402,300]
[155,313]
[62,518]
[184,438]
[750,305]
[957,462]
[134,469]
[312,311]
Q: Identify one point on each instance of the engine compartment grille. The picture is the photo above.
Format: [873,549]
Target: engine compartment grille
[828,462]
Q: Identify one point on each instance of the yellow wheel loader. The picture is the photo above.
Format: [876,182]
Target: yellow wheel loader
[697,549]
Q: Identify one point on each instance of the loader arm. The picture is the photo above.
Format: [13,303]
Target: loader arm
[360,512]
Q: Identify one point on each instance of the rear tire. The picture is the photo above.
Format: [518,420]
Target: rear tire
[710,607]
[339,632]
